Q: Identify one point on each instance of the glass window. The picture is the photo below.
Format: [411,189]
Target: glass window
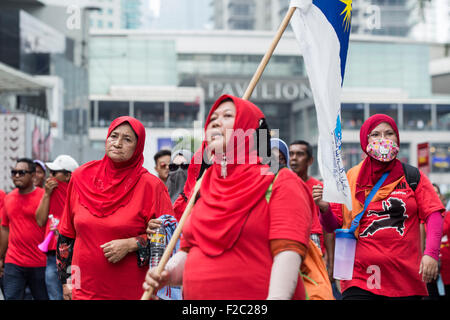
[352,115]
[314,168]
[98,145]
[417,116]
[151,114]
[443,116]
[403,154]
[110,110]
[71,122]
[352,154]
[299,128]
[312,121]
[278,118]
[388,109]
[92,112]
[440,157]
[183,114]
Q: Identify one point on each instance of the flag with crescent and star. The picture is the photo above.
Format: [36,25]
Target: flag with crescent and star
[322,28]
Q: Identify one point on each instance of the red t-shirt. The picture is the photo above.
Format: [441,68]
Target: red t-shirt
[19,214]
[2,201]
[316,227]
[445,250]
[388,252]
[243,272]
[93,277]
[56,208]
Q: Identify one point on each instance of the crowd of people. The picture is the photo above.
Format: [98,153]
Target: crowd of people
[82,232]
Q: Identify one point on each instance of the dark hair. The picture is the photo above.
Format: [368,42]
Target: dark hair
[31,164]
[309,150]
[161,153]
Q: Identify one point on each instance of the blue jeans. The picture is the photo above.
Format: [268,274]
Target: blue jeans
[16,278]
[54,287]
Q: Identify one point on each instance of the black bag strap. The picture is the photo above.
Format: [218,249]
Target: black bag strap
[412,175]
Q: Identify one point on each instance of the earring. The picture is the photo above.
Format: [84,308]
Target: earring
[223,165]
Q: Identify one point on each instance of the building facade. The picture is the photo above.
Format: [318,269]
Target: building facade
[43,84]
[434,24]
[384,74]
[369,17]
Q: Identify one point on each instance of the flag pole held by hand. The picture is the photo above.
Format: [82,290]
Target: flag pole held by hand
[176,234]
[259,71]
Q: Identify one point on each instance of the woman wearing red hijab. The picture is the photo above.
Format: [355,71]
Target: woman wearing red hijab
[388,259]
[235,245]
[109,203]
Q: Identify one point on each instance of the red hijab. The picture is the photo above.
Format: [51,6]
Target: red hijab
[371,169]
[103,185]
[225,204]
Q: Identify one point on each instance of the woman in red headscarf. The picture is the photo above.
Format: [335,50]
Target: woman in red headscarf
[109,204]
[388,259]
[235,244]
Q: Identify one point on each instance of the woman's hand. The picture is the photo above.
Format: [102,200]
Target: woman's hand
[152,226]
[67,291]
[152,280]
[116,250]
[317,193]
[428,269]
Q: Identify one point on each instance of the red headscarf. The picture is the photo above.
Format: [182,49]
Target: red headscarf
[103,185]
[371,169]
[218,218]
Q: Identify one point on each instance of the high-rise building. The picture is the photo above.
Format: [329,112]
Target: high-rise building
[44,83]
[131,14]
[247,14]
[109,15]
[384,17]
[179,15]
[434,24]
[116,14]
[377,17]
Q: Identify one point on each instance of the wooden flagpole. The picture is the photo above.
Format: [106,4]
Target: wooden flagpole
[254,81]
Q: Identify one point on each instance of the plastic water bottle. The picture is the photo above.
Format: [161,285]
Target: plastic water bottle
[157,246]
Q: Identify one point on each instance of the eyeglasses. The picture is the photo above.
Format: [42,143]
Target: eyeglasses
[20,172]
[174,167]
[378,135]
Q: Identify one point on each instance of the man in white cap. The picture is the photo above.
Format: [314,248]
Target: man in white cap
[52,205]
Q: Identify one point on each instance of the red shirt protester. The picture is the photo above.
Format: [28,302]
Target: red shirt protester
[24,233]
[445,250]
[232,231]
[56,208]
[106,201]
[316,227]
[388,253]
[387,223]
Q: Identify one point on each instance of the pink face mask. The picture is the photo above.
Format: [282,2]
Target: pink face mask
[383,150]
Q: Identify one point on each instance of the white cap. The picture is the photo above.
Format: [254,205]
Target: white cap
[63,162]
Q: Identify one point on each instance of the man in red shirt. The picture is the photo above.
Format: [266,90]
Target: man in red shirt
[300,159]
[24,264]
[49,213]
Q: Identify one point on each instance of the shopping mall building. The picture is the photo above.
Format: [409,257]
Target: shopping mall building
[170,79]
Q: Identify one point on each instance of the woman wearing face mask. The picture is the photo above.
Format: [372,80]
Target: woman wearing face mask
[388,259]
[109,204]
[236,245]
[178,169]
